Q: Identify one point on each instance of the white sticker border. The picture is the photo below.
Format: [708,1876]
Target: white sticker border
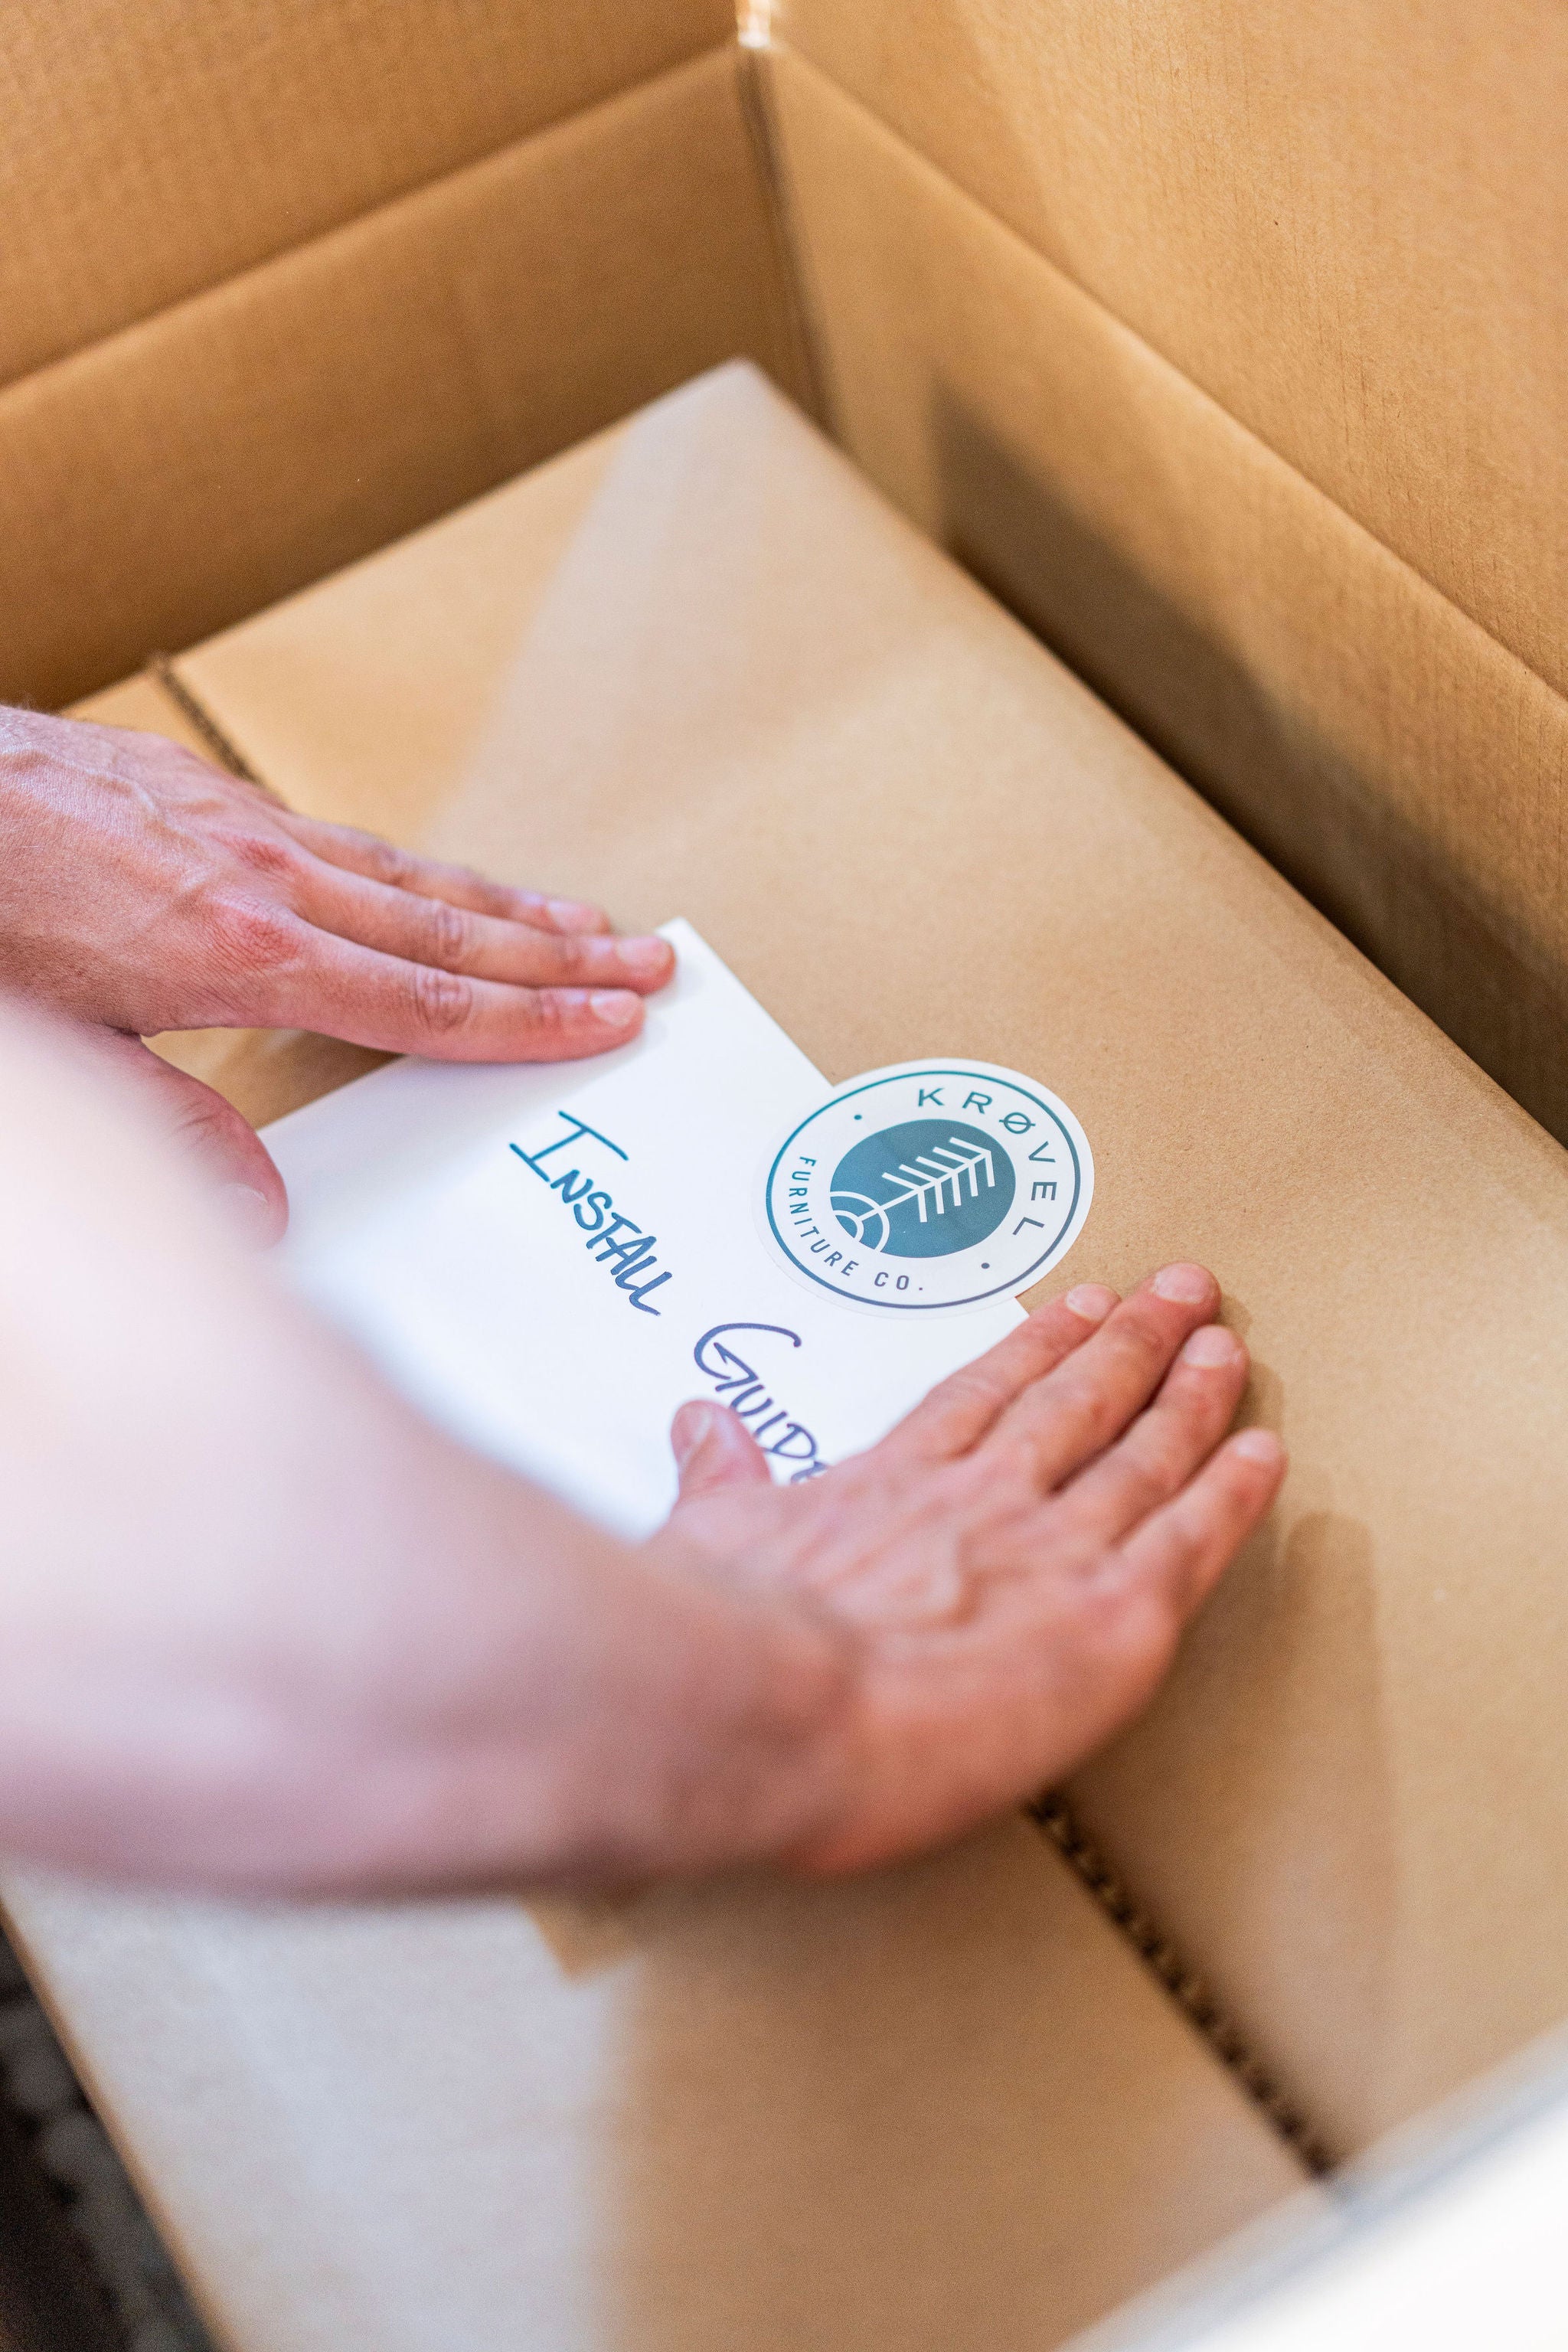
[933,1068]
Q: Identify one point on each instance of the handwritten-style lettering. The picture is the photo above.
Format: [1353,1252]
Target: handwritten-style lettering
[612,1238]
[747,1394]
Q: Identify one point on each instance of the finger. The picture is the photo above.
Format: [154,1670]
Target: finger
[1072,1414]
[1165,1446]
[959,1410]
[224,1148]
[455,939]
[1183,1550]
[714,1448]
[312,980]
[356,851]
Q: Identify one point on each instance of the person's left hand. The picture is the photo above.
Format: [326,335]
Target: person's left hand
[142,890]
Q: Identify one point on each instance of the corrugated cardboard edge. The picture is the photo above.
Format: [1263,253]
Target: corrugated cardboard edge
[163,674]
[1185,1987]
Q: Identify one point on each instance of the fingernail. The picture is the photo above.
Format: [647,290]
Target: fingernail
[645,957]
[571,914]
[614,1006]
[1258,1445]
[1092,1300]
[251,1210]
[691,1427]
[1212,1345]
[1188,1286]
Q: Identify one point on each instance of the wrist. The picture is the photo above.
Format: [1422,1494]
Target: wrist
[722,1734]
[556,1708]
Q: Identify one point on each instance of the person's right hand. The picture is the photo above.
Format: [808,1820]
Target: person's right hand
[1011,1568]
[142,890]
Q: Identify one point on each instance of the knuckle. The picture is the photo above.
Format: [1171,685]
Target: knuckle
[1141,1339]
[1125,1487]
[1077,1398]
[1102,1609]
[560,962]
[1129,1624]
[1164,1453]
[210,1123]
[248,933]
[969,1386]
[1149,1484]
[548,1012]
[387,863]
[1010,1466]
[264,853]
[572,960]
[965,1399]
[443,1000]
[448,935]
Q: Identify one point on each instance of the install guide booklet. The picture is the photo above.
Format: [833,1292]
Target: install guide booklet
[551,1258]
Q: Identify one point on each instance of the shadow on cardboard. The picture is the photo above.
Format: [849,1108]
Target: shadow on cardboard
[1286,790]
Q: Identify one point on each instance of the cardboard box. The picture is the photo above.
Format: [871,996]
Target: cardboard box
[698,665]
[957,2103]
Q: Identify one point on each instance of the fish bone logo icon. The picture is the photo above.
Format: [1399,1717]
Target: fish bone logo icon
[929,1186]
[923,1189]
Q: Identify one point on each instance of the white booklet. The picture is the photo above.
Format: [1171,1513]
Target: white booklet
[551,1259]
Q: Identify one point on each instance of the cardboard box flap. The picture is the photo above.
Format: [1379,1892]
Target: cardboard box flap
[153,151]
[157,486]
[1345,225]
[1385,753]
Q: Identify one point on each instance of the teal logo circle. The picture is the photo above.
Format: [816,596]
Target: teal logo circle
[923,1189]
[927,1187]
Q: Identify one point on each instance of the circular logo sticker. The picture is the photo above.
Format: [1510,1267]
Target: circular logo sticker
[931,1184]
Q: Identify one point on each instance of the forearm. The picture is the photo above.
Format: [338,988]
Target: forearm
[430,1674]
[529,1701]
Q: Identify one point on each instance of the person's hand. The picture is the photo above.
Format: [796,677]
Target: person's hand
[142,890]
[1013,1565]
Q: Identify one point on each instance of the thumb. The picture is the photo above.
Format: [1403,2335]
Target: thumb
[714,1448]
[225,1147]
